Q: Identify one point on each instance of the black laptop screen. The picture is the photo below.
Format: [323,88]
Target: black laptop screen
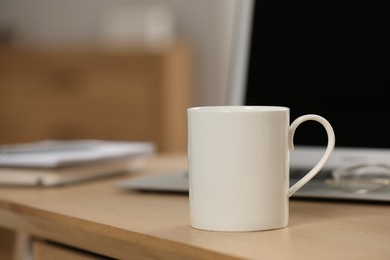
[326,58]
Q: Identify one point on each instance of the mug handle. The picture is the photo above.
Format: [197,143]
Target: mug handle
[324,158]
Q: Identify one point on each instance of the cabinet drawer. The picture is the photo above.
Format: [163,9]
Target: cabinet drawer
[45,250]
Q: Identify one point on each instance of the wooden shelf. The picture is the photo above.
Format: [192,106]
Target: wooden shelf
[133,94]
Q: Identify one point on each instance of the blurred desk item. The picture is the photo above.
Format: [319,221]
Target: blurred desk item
[147,24]
[58,162]
[97,219]
[138,94]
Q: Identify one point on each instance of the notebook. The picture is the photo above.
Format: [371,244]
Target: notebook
[327,59]
[60,162]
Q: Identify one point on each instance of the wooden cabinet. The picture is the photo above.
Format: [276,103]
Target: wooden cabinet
[14,245]
[46,250]
[133,94]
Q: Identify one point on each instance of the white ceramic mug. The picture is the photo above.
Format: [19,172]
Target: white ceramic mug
[239,166]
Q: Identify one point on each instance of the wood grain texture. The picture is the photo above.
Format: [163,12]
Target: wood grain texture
[99,217]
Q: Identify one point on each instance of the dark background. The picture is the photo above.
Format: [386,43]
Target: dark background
[326,58]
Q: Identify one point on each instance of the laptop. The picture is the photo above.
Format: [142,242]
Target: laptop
[328,59]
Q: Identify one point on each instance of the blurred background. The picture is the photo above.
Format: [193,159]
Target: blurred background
[119,70]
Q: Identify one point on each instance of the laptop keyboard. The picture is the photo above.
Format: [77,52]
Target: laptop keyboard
[317,188]
[296,174]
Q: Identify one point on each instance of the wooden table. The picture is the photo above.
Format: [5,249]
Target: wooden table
[101,218]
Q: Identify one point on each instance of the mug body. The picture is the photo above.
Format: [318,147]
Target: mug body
[238,167]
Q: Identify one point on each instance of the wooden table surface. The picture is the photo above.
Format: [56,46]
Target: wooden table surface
[99,217]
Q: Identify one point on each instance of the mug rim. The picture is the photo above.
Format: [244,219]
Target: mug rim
[237,108]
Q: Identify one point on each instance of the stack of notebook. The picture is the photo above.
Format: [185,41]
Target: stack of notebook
[59,162]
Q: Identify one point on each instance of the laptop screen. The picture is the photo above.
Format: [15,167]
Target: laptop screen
[326,58]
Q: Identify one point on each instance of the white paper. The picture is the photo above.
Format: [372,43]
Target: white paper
[57,153]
